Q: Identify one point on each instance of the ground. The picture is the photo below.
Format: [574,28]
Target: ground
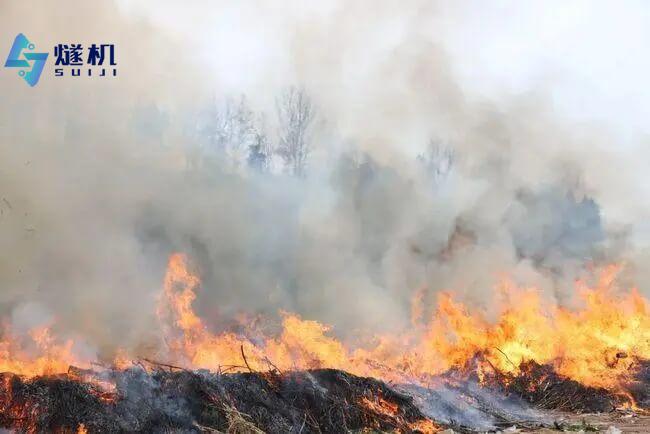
[626,422]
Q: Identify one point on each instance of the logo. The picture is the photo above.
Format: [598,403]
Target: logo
[75,60]
[31,72]
[70,59]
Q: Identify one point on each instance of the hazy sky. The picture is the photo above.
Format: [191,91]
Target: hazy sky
[585,61]
[589,56]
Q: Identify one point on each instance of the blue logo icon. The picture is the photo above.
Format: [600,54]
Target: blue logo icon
[31,76]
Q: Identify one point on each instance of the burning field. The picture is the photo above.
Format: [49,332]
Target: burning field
[454,370]
[285,216]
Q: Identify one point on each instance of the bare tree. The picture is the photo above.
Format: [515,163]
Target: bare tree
[260,148]
[438,160]
[228,130]
[258,155]
[295,115]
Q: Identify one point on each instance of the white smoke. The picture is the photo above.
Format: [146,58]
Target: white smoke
[98,186]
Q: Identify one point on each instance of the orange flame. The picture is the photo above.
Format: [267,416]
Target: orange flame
[596,344]
[36,354]
[593,345]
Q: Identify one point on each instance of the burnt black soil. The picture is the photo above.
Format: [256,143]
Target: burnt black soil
[315,401]
[166,399]
[542,387]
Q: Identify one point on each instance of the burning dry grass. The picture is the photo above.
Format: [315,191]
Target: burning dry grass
[596,345]
[541,386]
[589,359]
[326,401]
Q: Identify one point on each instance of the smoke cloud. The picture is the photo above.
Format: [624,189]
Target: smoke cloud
[414,182]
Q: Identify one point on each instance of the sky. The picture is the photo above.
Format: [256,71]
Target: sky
[590,56]
[583,62]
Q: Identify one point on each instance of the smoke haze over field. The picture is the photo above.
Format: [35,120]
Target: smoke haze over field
[101,179]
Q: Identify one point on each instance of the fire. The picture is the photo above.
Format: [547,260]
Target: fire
[380,405]
[425,426]
[596,344]
[390,410]
[38,353]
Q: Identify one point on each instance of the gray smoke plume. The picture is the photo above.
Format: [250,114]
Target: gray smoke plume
[410,180]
